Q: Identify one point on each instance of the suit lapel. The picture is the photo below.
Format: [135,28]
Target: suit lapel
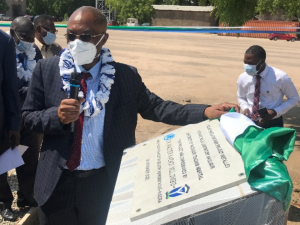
[63,95]
[109,111]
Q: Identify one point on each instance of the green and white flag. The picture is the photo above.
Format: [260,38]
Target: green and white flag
[263,152]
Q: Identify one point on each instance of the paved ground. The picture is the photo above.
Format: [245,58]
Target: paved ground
[201,68]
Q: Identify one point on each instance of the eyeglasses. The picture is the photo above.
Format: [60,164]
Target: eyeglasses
[48,30]
[82,37]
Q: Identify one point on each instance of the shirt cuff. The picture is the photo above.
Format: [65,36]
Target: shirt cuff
[203,116]
[278,110]
[245,106]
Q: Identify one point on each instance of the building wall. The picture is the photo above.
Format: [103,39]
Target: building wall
[278,16]
[16,8]
[183,18]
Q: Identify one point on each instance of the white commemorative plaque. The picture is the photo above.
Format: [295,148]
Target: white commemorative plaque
[184,165]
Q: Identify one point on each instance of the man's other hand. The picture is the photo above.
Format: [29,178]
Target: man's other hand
[247,113]
[217,111]
[271,114]
[68,110]
[13,138]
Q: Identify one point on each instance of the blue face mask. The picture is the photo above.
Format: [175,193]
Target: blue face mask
[23,46]
[50,38]
[251,69]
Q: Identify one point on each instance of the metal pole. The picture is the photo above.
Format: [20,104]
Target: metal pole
[109,12]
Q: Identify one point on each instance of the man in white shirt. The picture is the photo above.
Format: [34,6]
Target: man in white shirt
[262,86]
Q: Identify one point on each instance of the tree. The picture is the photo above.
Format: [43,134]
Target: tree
[56,7]
[139,9]
[181,2]
[237,12]
[290,7]
[3,6]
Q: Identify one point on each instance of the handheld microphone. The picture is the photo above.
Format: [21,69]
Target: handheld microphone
[74,90]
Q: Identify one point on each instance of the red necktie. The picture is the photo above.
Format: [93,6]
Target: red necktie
[256,99]
[75,156]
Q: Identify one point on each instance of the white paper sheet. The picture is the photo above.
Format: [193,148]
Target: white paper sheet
[22,149]
[12,159]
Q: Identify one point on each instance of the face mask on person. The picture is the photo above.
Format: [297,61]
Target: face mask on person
[23,46]
[50,38]
[251,69]
[83,52]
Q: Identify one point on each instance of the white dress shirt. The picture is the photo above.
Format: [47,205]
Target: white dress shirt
[274,85]
[92,133]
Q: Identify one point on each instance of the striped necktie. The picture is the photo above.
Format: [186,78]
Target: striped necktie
[75,156]
[255,107]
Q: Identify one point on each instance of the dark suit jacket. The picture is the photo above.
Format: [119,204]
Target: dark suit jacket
[23,85]
[129,96]
[10,111]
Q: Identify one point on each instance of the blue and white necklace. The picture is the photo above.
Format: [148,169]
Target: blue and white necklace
[107,76]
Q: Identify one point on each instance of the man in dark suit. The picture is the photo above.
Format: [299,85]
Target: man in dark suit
[77,172]
[10,113]
[22,33]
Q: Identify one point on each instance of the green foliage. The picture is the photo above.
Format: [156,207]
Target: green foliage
[234,12]
[237,12]
[182,2]
[56,7]
[203,3]
[3,6]
[290,7]
[139,9]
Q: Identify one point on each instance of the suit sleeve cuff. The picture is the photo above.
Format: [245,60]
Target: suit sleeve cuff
[55,122]
[203,116]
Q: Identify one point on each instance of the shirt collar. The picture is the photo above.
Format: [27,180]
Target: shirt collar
[265,71]
[42,47]
[94,71]
[39,44]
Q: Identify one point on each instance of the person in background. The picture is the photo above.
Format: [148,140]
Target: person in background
[10,114]
[45,33]
[22,32]
[262,86]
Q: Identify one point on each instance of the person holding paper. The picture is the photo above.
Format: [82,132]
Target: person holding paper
[10,113]
[77,171]
[22,32]
[261,89]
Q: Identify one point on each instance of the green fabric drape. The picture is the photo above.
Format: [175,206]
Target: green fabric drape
[263,152]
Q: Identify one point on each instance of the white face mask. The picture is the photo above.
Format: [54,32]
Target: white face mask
[251,69]
[50,38]
[83,52]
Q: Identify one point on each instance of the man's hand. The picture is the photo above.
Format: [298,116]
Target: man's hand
[13,138]
[272,113]
[217,111]
[68,110]
[247,113]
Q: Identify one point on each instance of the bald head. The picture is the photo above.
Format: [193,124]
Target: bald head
[89,25]
[23,28]
[21,23]
[89,14]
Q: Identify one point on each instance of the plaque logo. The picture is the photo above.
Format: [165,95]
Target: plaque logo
[178,191]
[169,137]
